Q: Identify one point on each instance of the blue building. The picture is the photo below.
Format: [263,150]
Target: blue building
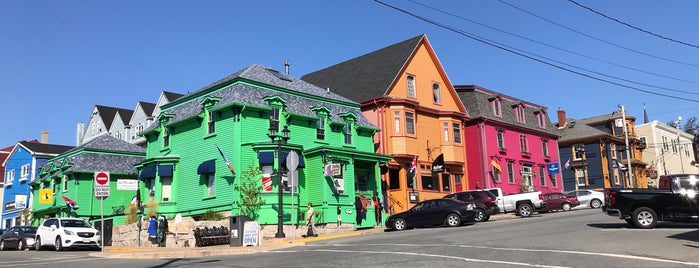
[22,167]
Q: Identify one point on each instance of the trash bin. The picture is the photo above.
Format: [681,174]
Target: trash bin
[236,227]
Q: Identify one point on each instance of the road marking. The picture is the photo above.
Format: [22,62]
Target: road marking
[611,255]
[67,259]
[432,255]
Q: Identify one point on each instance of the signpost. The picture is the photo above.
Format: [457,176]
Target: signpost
[101,191]
[292,162]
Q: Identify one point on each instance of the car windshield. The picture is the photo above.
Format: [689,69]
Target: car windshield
[29,230]
[74,223]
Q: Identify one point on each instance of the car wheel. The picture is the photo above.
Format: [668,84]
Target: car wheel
[596,203]
[2,245]
[487,217]
[525,210]
[21,245]
[58,245]
[645,218]
[37,244]
[453,220]
[399,225]
[566,206]
[480,215]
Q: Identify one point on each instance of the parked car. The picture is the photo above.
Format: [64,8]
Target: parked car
[19,237]
[449,212]
[522,204]
[559,201]
[64,233]
[484,200]
[588,198]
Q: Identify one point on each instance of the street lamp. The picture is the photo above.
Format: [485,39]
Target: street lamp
[279,139]
[679,145]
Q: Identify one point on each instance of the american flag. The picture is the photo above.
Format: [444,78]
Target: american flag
[413,166]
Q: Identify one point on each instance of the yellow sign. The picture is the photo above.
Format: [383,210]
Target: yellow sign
[45,196]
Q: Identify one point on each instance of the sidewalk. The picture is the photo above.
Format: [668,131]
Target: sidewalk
[266,245]
[191,252]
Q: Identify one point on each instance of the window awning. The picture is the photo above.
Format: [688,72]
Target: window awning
[165,170]
[207,167]
[147,173]
[268,158]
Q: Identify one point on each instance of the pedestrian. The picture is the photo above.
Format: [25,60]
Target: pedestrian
[378,209]
[152,227]
[363,201]
[310,219]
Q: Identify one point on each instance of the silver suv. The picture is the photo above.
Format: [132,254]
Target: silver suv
[66,233]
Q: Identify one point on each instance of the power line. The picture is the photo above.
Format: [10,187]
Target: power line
[502,47]
[572,52]
[598,39]
[631,26]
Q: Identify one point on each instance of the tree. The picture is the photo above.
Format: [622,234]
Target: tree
[250,191]
[690,125]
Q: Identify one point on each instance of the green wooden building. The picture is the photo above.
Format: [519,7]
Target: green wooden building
[185,169]
[72,175]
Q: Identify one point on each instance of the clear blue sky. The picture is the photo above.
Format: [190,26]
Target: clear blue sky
[60,58]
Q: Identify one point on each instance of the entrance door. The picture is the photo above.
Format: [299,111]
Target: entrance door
[527,179]
[107,230]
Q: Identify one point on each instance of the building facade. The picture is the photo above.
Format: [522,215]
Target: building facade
[511,143]
[235,119]
[595,152]
[668,150]
[405,91]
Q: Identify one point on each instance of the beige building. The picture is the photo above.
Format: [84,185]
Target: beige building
[668,150]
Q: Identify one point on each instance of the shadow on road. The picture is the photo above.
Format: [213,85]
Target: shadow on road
[689,236]
[609,225]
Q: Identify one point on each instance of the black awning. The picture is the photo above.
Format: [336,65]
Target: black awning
[165,170]
[147,173]
[207,167]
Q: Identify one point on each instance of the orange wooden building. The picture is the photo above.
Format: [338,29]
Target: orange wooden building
[405,91]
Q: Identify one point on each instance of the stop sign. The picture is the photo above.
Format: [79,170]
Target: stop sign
[102,178]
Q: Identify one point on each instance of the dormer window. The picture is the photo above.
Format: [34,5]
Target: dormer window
[211,122]
[166,137]
[541,119]
[274,119]
[139,128]
[495,105]
[519,113]
[348,132]
[320,128]
[410,85]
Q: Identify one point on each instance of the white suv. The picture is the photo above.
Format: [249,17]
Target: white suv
[65,233]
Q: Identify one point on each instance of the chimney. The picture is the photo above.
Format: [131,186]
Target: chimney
[45,136]
[561,117]
[286,67]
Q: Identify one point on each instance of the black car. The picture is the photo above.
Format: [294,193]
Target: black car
[18,237]
[484,200]
[449,212]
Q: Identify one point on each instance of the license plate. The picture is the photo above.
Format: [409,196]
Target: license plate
[86,240]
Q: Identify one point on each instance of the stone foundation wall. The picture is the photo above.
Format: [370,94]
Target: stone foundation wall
[181,234]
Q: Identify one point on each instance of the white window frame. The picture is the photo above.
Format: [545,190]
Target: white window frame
[410,85]
[65,183]
[396,120]
[10,177]
[545,148]
[210,184]
[410,123]
[166,188]
[445,130]
[497,107]
[24,172]
[436,93]
[501,139]
[457,132]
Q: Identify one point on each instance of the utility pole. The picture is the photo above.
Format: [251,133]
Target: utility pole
[679,145]
[628,153]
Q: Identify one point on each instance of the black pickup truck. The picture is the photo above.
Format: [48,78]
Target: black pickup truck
[676,199]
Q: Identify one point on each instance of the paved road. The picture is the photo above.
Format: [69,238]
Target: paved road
[584,238]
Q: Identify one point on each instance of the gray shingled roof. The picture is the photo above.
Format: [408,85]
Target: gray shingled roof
[37,147]
[603,119]
[108,143]
[104,162]
[368,76]
[477,103]
[251,95]
[576,130]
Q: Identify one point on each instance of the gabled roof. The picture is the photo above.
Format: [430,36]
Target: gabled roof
[368,76]
[171,96]
[108,113]
[147,107]
[108,143]
[576,130]
[300,95]
[603,119]
[477,101]
[103,153]
[42,148]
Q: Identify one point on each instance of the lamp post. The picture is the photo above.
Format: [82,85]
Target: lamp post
[279,139]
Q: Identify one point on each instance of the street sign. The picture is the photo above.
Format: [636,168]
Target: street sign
[101,184]
[45,196]
[101,178]
[292,161]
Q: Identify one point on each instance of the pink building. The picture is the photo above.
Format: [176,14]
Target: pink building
[510,143]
